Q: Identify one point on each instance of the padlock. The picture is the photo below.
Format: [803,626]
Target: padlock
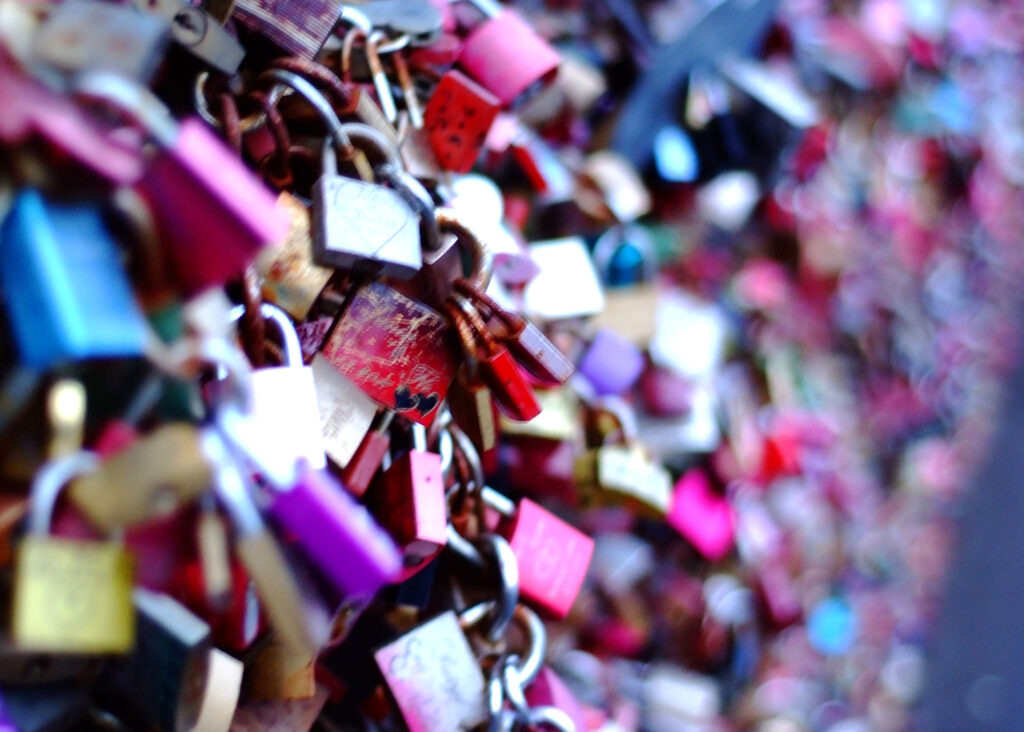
[422,20]
[69,596]
[459,236]
[509,387]
[284,398]
[196,30]
[259,551]
[611,364]
[336,533]
[434,677]
[530,347]
[232,215]
[548,690]
[87,34]
[475,412]
[359,471]
[396,350]
[506,55]
[624,474]
[553,557]
[609,188]
[298,27]
[457,118]
[163,681]
[346,413]
[141,482]
[409,501]
[290,278]
[567,284]
[67,295]
[702,517]
[363,226]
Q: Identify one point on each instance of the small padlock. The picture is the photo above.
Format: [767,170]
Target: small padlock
[361,225]
[505,54]
[409,501]
[611,364]
[475,412]
[702,517]
[88,34]
[346,413]
[232,215]
[531,348]
[69,596]
[284,398]
[509,387]
[548,690]
[567,284]
[298,27]
[434,677]
[457,118]
[359,471]
[164,679]
[396,350]
[290,278]
[199,32]
[67,294]
[336,533]
[553,556]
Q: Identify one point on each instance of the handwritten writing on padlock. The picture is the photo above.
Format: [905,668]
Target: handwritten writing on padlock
[397,350]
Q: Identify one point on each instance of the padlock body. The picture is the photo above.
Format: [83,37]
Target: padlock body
[476,413]
[212,212]
[703,518]
[337,534]
[410,504]
[538,355]
[364,226]
[398,351]
[509,387]
[507,56]
[299,27]
[622,475]
[552,556]
[457,118]
[549,690]
[73,596]
[611,363]
[358,473]
[284,405]
[66,293]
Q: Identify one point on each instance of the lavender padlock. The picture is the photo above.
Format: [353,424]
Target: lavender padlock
[337,533]
[611,364]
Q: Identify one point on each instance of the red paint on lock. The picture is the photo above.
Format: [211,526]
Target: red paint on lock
[457,119]
[553,557]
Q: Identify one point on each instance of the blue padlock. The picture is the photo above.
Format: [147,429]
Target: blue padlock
[67,295]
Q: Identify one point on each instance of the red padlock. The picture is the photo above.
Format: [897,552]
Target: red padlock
[509,387]
[364,464]
[505,54]
[458,118]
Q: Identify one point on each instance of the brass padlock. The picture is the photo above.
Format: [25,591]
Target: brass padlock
[69,596]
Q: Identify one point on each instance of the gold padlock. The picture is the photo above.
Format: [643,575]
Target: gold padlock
[161,472]
[70,596]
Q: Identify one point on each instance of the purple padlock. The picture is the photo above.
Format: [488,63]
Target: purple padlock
[611,363]
[506,55]
[337,533]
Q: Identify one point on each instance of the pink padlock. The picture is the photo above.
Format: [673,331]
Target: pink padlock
[548,690]
[702,517]
[213,213]
[506,55]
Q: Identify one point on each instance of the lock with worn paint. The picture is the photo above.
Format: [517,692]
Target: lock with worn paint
[67,295]
[298,27]
[457,119]
[231,216]
[337,534]
[409,501]
[398,351]
[505,54]
[552,555]
[434,678]
[69,596]
[361,225]
[199,32]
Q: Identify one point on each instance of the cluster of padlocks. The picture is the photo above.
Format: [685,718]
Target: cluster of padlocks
[430,365]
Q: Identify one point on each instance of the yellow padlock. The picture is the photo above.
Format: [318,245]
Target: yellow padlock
[70,596]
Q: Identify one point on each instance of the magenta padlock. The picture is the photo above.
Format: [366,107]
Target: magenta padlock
[505,54]
[704,518]
[337,533]
[548,690]
[409,502]
[611,363]
[552,555]
[212,211]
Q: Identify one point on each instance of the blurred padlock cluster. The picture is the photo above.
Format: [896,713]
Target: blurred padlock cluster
[442,365]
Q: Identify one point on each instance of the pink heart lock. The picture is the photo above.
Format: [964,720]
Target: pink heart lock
[704,518]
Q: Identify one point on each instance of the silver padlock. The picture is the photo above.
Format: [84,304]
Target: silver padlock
[361,225]
[199,32]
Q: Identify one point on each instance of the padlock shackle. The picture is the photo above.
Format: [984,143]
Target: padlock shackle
[416,195]
[131,99]
[513,321]
[313,97]
[230,486]
[483,258]
[48,483]
[289,336]
[475,323]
